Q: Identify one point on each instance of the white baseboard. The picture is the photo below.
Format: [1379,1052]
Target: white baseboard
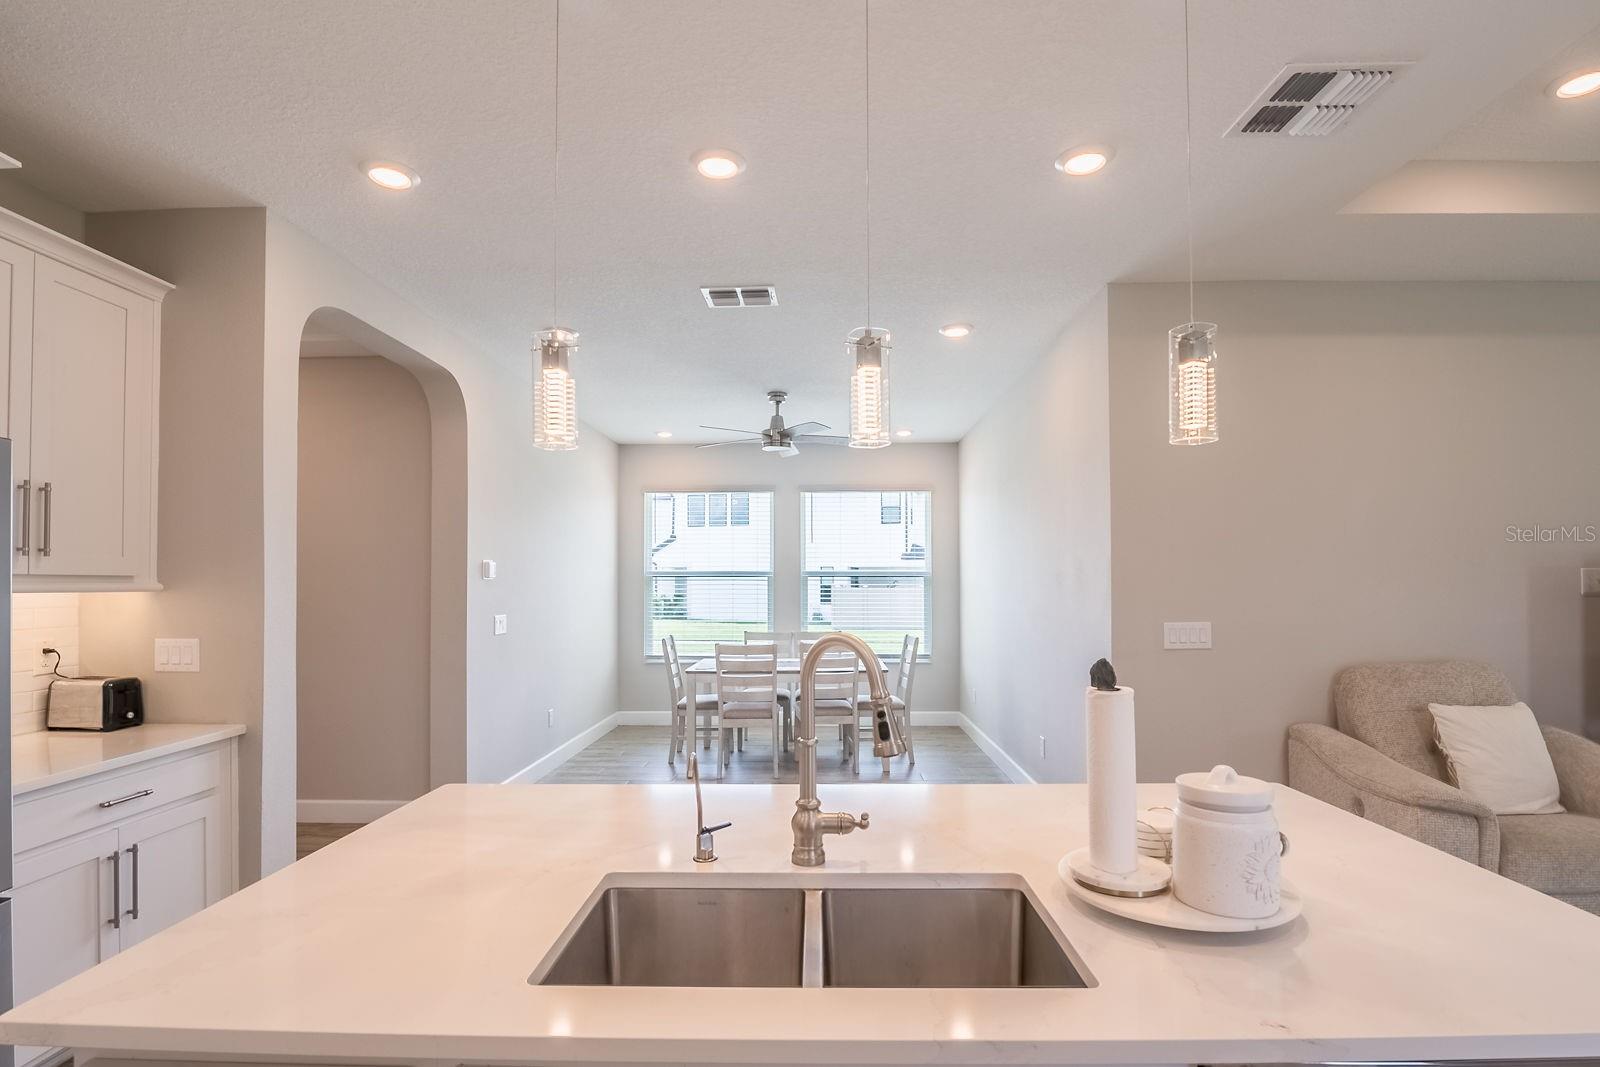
[659,718]
[546,764]
[346,811]
[1008,766]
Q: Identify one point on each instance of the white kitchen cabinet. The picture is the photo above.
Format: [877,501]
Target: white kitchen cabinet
[82,376]
[61,912]
[107,860]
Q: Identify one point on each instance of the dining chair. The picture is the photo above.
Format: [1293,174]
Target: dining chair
[680,692]
[747,692]
[834,684]
[899,695]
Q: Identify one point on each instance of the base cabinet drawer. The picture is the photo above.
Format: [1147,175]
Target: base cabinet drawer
[114,798]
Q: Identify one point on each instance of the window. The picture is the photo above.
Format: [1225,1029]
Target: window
[708,569]
[867,566]
[717,509]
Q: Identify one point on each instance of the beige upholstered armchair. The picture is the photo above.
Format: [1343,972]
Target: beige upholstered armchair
[1382,764]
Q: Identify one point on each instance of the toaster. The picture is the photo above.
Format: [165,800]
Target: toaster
[94,704]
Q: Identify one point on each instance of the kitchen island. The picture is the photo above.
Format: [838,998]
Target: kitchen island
[413,939]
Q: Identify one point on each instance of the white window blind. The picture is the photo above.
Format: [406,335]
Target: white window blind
[708,568]
[868,568]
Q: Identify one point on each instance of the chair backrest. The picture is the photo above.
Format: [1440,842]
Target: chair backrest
[837,676]
[747,675]
[677,685]
[784,639]
[908,667]
[1385,705]
[805,639]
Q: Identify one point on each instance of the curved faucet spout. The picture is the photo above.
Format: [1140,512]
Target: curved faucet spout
[810,823]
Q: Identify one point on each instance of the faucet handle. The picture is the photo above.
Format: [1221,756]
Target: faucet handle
[704,846]
[863,822]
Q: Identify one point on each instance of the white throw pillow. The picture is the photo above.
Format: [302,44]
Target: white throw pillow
[1497,756]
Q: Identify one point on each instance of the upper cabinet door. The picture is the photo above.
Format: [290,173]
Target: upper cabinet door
[16,344]
[91,424]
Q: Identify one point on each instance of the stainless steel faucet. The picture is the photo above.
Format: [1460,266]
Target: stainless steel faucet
[810,822]
[704,850]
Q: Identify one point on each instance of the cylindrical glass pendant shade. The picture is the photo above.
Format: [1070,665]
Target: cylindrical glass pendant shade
[869,388]
[555,394]
[1192,367]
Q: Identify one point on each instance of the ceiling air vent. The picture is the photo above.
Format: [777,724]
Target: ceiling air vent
[1313,99]
[740,296]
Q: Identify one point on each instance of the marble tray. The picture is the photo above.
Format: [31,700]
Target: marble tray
[1167,910]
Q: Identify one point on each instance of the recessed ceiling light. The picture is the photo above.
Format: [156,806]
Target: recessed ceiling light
[902,433]
[719,164]
[663,433]
[1084,160]
[955,330]
[395,176]
[1575,85]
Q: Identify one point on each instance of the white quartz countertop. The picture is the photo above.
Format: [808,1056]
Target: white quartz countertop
[50,757]
[413,939]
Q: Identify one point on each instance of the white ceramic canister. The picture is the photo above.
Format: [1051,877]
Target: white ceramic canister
[1226,845]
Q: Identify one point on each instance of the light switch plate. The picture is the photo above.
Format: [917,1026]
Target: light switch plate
[1181,635]
[499,624]
[487,569]
[1589,581]
[181,654]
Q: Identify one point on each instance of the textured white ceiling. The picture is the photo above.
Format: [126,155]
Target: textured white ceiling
[188,103]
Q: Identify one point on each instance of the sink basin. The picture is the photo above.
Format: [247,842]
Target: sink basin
[849,931]
[664,936]
[940,937]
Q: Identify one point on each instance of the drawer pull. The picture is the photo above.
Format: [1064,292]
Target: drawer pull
[124,800]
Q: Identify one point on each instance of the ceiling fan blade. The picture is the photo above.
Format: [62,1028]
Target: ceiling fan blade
[819,439]
[807,427]
[730,429]
[740,441]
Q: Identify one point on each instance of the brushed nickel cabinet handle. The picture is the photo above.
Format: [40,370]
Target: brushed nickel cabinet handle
[116,890]
[124,800]
[46,492]
[133,850]
[24,515]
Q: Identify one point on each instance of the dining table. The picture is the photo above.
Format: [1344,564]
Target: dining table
[702,675]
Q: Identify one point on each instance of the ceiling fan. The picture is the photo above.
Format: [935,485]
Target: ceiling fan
[784,440]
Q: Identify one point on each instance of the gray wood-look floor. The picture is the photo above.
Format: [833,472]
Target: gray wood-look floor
[638,754]
[310,836]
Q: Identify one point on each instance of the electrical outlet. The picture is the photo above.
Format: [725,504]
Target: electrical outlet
[1186,635]
[181,654]
[1589,581]
[499,624]
[549,716]
[1041,746]
[46,663]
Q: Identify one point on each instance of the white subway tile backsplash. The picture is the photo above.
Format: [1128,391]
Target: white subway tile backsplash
[39,620]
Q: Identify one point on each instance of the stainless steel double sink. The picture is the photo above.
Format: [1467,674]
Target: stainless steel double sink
[959,931]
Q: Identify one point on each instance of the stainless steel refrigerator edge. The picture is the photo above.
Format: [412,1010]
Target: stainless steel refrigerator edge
[7,1053]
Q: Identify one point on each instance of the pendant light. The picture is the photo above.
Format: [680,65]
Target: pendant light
[1192,347]
[867,346]
[555,393]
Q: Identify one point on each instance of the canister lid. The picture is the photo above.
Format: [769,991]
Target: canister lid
[1224,789]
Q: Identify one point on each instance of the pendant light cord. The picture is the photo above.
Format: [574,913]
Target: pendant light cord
[555,184]
[866,66]
[1188,157]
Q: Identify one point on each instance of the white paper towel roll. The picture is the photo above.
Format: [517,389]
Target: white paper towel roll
[1112,777]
